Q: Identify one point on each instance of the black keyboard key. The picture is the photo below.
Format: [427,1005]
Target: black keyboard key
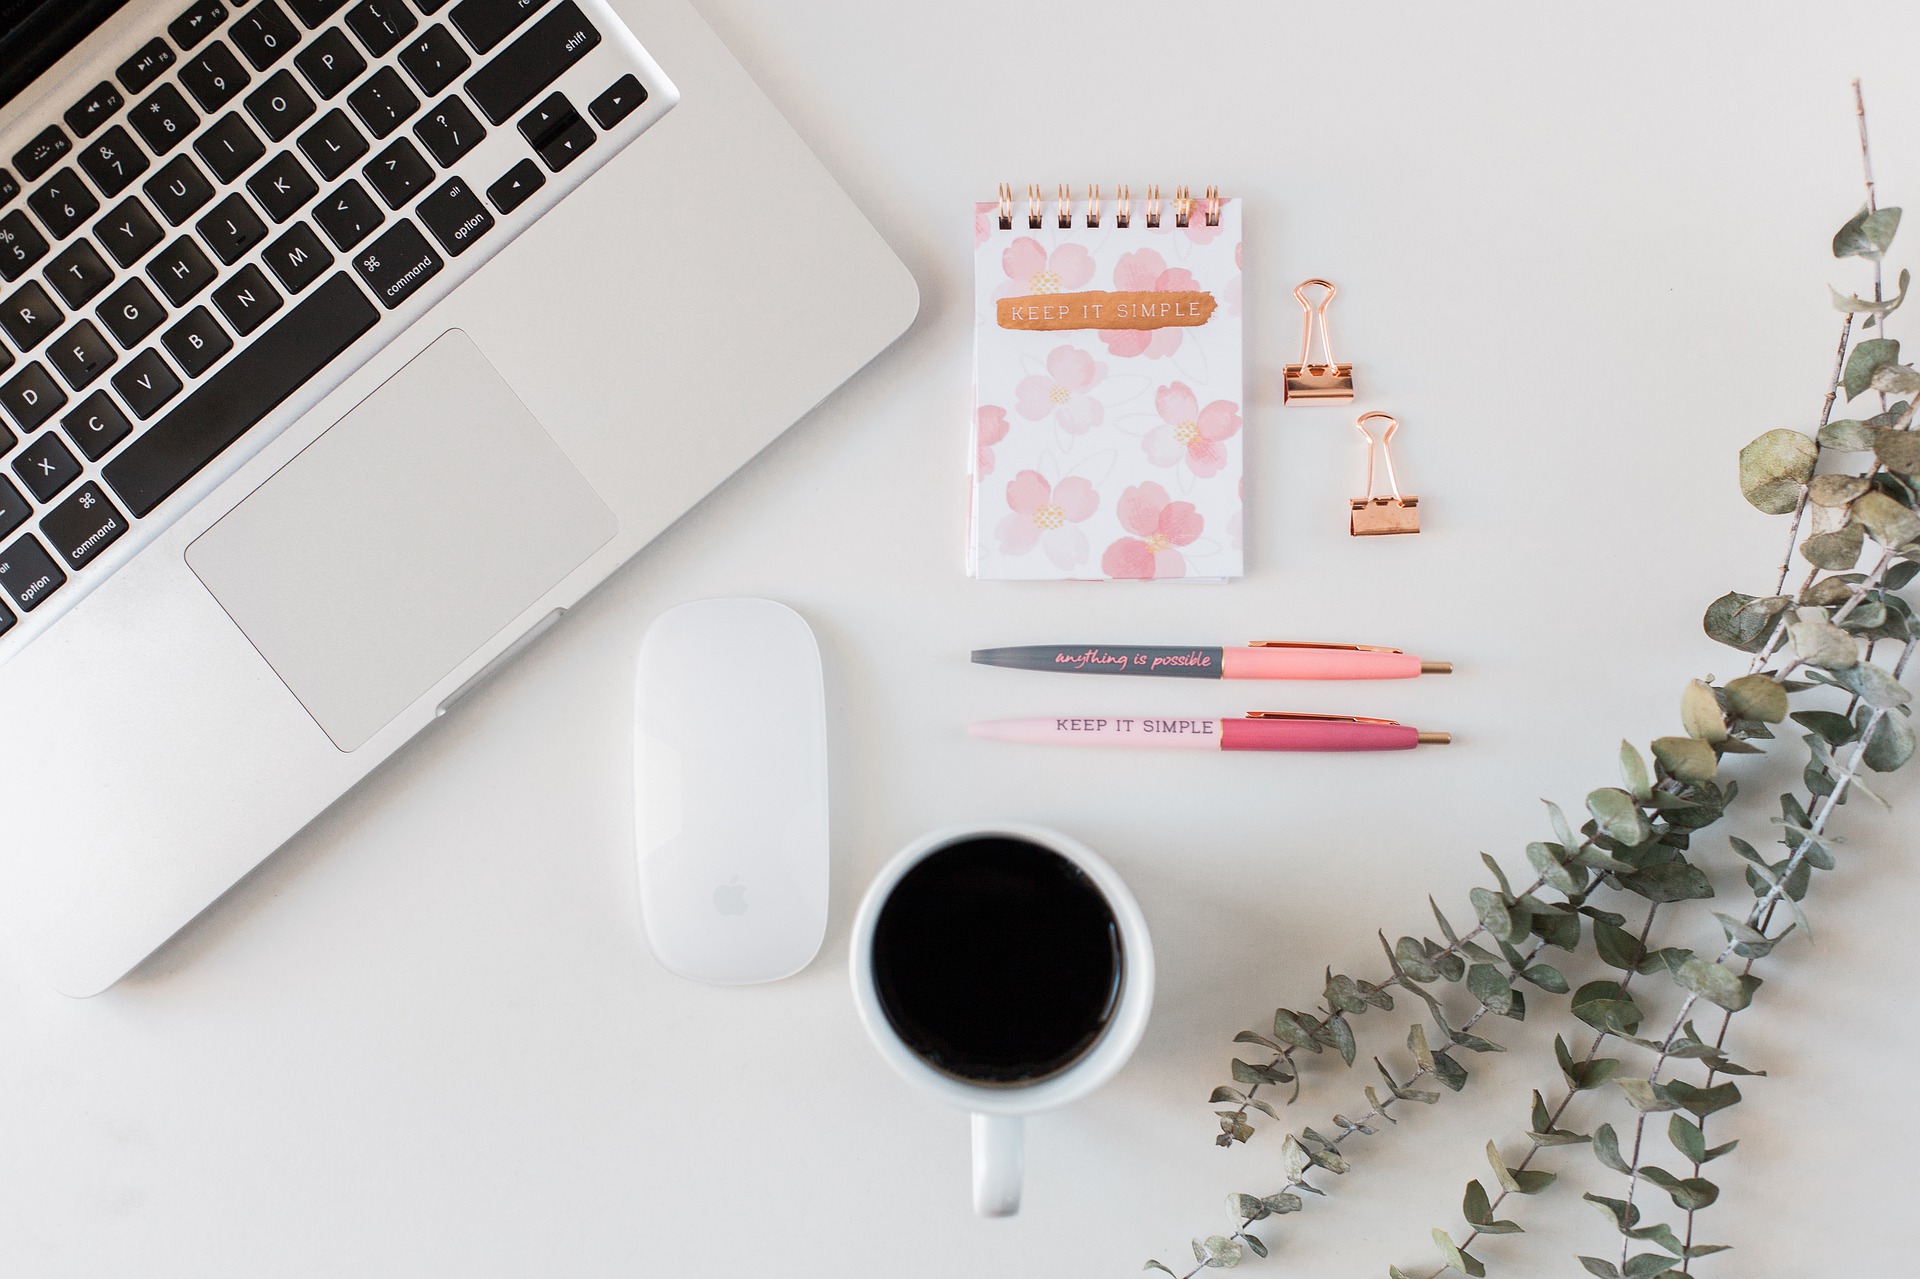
[515,185]
[297,257]
[283,186]
[524,69]
[14,509]
[20,245]
[618,102]
[163,119]
[429,6]
[398,173]
[63,203]
[31,397]
[556,131]
[95,425]
[146,383]
[131,312]
[486,23]
[381,24]
[79,273]
[83,526]
[29,316]
[8,186]
[349,215]
[197,341]
[275,365]
[214,76]
[6,619]
[330,63]
[333,144]
[28,575]
[46,466]
[81,355]
[146,66]
[384,102]
[264,34]
[229,148]
[315,12]
[247,300]
[398,263]
[94,110]
[128,231]
[280,105]
[179,189]
[231,227]
[42,153]
[6,362]
[181,270]
[113,161]
[434,58]
[455,216]
[200,20]
[449,130]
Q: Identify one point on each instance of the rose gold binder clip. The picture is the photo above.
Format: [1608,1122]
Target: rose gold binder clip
[1374,515]
[1307,382]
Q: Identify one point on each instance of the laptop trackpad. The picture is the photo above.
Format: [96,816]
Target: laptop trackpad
[400,541]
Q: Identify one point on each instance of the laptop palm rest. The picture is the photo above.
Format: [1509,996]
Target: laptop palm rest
[404,538]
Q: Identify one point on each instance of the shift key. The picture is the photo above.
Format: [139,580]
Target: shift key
[83,526]
[524,69]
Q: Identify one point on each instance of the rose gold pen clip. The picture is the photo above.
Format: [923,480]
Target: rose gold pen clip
[1372,515]
[1309,383]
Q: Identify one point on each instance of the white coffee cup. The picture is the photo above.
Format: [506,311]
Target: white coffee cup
[998,1108]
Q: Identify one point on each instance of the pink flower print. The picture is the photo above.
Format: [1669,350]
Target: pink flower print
[989,428]
[1145,271]
[1159,525]
[1189,433]
[1044,514]
[1061,392]
[1196,228]
[985,214]
[1031,269]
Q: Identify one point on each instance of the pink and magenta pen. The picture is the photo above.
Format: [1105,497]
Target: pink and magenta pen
[1259,731]
[1266,659]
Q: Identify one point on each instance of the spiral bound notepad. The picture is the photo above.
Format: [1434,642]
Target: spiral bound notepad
[1107,396]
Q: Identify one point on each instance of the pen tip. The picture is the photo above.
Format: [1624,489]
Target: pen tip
[1436,668]
[1434,739]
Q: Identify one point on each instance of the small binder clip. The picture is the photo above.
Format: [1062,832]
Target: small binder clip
[1309,383]
[1375,515]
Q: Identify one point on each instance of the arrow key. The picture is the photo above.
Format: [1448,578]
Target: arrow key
[618,102]
[514,186]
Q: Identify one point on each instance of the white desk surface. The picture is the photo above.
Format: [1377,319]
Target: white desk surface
[1583,258]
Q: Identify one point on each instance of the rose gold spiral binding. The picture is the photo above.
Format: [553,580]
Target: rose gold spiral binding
[1213,206]
[1033,206]
[1153,205]
[1182,205]
[1093,205]
[1066,207]
[1123,206]
[1183,202]
[1006,207]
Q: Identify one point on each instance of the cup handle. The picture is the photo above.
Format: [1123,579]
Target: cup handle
[998,1161]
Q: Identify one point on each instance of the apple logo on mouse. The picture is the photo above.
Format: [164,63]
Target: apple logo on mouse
[730,898]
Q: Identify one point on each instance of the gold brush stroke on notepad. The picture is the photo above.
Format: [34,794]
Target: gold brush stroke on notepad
[1097,309]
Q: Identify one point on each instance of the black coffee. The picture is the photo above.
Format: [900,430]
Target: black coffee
[997,961]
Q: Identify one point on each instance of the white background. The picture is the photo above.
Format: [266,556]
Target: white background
[1583,258]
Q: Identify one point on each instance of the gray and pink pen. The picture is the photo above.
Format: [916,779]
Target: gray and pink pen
[1259,731]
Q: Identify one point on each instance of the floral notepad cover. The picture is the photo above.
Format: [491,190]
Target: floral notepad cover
[1107,396]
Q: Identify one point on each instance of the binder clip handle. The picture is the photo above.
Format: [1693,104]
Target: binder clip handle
[1384,445]
[1328,382]
[1315,312]
[1374,515]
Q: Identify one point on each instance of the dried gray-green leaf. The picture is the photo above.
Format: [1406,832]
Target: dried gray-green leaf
[1282,1203]
[1717,983]
[1633,772]
[1867,234]
[1819,642]
[1848,436]
[1758,697]
[1898,451]
[1218,1252]
[1465,1262]
[1674,881]
[1619,817]
[1491,987]
[1700,713]
[1837,550]
[1776,466]
[1161,1266]
[1417,1045]
[1687,758]
[1890,523]
[1645,1095]
[1874,685]
[1602,1269]
[1835,490]
[1606,1148]
[1864,361]
[1891,744]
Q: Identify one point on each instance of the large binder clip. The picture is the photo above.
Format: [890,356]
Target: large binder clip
[1374,515]
[1307,382]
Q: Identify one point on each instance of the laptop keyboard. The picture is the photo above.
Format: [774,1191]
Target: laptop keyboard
[175,271]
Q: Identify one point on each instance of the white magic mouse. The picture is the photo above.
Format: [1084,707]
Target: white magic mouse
[730,791]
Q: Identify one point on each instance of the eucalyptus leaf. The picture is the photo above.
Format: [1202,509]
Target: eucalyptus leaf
[1474,1205]
[1648,1265]
[1776,466]
[1255,1243]
[1548,860]
[1862,362]
[1633,771]
[1837,550]
[1687,758]
[1743,621]
[1891,744]
[1669,882]
[1703,1101]
[1465,1262]
[1417,1045]
[1848,436]
[1819,642]
[1874,685]
[1717,983]
[1619,817]
[1854,304]
[1898,451]
[1218,1252]
[1867,234]
[1890,523]
[1594,1266]
[1606,1148]
[1758,697]
[1645,1095]
[1700,713]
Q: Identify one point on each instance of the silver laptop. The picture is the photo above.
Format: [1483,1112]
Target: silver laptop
[344,345]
